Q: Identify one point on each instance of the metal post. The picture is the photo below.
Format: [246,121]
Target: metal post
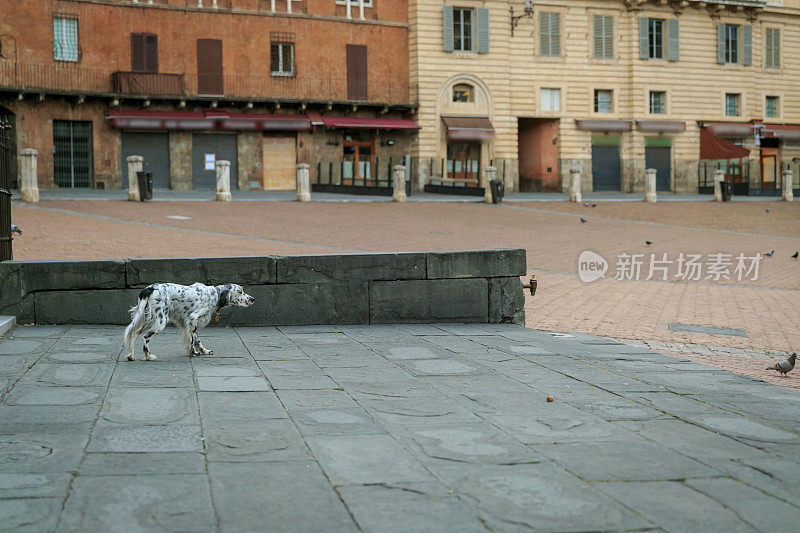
[6,253]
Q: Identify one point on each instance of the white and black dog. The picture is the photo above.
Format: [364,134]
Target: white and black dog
[188,307]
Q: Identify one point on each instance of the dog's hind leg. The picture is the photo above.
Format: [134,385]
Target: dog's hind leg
[160,324]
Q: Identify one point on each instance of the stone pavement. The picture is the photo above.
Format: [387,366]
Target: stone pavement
[386,428]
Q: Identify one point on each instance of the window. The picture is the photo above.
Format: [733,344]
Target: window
[732,104]
[65,39]
[772,54]
[658,102]
[281,54]
[144,52]
[731,43]
[772,109]
[735,44]
[551,99]
[462,30]
[655,39]
[602,101]
[603,37]
[549,34]
[463,92]
[353,3]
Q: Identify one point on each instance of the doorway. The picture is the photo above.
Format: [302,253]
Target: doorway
[463,162]
[538,154]
[769,167]
[659,158]
[72,153]
[605,168]
[357,160]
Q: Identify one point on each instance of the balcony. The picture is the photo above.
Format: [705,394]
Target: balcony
[148,83]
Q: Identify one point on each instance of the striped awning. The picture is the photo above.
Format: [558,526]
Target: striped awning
[212,119]
[462,128]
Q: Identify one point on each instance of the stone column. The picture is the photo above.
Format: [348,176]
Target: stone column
[223,181]
[575,184]
[399,183]
[422,174]
[650,185]
[303,183]
[29,186]
[135,163]
[787,194]
[719,177]
[489,176]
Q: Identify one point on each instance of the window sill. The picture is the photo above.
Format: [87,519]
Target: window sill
[282,74]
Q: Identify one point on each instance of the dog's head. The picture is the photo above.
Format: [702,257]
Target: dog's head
[233,294]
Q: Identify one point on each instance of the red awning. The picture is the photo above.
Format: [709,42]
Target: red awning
[205,120]
[712,147]
[468,128]
[366,123]
[782,131]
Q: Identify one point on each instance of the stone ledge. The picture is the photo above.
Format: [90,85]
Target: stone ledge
[356,267]
[477,264]
[446,300]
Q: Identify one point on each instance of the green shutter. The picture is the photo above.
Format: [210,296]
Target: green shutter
[448,28]
[544,34]
[673,40]
[776,48]
[644,43]
[608,33]
[482,18]
[721,43]
[555,34]
[598,37]
[747,44]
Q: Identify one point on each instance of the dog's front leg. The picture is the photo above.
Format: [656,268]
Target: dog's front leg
[198,346]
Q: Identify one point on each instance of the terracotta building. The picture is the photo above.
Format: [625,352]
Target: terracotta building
[265,84]
[611,87]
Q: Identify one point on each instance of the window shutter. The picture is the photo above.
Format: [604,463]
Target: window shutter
[151,53]
[608,33]
[747,44]
[598,36]
[448,28]
[776,48]
[673,40]
[544,34]
[482,18]
[555,34]
[137,52]
[721,43]
[644,42]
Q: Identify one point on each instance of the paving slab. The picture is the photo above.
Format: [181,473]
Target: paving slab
[425,427]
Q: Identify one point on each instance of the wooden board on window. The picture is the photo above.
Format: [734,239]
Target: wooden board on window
[280,158]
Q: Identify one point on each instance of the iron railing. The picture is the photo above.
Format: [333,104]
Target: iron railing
[6,253]
[705,174]
[315,85]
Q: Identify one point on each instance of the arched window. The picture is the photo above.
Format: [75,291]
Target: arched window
[463,92]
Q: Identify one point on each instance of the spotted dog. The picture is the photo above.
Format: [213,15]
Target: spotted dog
[187,307]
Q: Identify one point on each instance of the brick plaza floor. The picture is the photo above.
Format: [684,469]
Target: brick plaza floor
[386,428]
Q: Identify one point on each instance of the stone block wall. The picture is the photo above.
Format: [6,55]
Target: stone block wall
[470,286]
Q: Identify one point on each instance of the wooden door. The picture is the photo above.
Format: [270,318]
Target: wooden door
[769,168]
[279,163]
[463,162]
[209,66]
[144,52]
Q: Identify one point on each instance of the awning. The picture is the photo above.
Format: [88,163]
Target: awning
[782,131]
[605,125]
[712,147]
[468,128]
[205,120]
[729,129]
[366,123]
[660,126]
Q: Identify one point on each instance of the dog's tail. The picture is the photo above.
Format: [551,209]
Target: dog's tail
[140,316]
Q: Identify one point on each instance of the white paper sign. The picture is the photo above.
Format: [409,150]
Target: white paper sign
[211,159]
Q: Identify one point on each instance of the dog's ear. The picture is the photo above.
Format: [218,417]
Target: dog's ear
[224,294]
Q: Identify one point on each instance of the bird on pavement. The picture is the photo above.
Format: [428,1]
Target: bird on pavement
[648,243]
[766,210]
[586,204]
[794,256]
[583,220]
[784,367]
[594,205]
[769,254]
[15,229]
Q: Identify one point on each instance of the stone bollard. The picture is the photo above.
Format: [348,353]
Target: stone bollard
[650,185]
[303,183]
[135,163]
[29,185]
[719,177]
[223,181]
[575,185]
[787,195]
[489,177]
[399,183]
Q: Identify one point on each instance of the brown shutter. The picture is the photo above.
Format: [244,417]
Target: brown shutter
[209,66]
[356,72]
[151,52]
[137,52]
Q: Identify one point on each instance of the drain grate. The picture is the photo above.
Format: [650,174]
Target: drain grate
[710,330]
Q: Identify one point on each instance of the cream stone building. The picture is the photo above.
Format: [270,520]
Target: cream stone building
[609,86]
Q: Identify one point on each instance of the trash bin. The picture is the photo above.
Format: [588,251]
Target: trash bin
[497,191]
[727,190]
[145,185]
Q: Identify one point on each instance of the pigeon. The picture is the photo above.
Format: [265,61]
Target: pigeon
[769,254]
[594,205]
[586,204]
[766,210]
[794,256]
[784,367]
[648,243]
[583,220]
[15,229]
